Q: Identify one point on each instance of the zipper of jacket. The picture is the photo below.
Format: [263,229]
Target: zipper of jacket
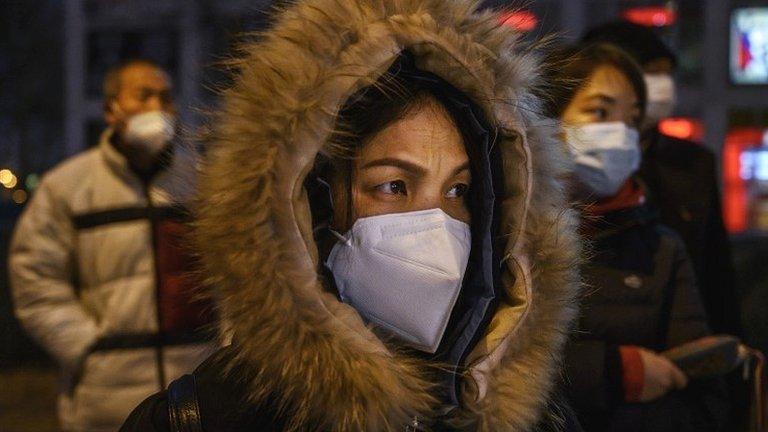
[159,355]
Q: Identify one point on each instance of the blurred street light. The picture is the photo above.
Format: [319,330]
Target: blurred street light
[8,179]
[5,176]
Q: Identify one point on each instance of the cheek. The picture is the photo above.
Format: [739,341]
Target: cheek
[365,205]
[574,115]
[460,212]
[170,108]
[348,208]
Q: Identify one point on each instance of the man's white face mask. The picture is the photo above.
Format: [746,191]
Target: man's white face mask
[150,131]
[403,272]
[606,155]
[661,97]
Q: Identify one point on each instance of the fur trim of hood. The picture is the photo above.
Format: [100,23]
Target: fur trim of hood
[302,347]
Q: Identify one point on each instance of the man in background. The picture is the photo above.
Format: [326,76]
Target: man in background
[98,268]
[681,176]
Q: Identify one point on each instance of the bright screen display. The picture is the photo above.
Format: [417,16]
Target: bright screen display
[754,165]
[749,46]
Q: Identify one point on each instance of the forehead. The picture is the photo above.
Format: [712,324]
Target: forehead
[144,76]
[425,133]
[609,81]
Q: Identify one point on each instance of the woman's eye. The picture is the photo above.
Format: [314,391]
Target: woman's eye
[598,113]
[457,191]
[396,187]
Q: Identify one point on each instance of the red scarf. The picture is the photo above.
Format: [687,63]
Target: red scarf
[631,194]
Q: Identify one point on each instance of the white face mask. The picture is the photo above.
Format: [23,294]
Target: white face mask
[606,154]
[661,97]
[403,272]
[151,131]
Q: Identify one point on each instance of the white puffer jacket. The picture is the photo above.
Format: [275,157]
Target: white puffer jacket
[96,273]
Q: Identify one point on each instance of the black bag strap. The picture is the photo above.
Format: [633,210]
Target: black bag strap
[183,410]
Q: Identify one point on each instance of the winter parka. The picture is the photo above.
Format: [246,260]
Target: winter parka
[303,359]
[99,279]
[641,291]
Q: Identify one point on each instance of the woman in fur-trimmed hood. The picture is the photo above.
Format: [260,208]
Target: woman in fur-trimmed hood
[370,152]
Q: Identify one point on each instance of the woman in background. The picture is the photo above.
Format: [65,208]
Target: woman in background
[641,298]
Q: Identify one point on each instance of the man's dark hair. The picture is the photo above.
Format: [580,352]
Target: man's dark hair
[567,70]
[111,84]
[638,41]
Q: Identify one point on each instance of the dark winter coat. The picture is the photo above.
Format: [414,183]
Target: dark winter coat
[681,177]
[640,291]
[301,355]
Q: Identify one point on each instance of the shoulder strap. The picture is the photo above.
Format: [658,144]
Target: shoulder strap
[183,410]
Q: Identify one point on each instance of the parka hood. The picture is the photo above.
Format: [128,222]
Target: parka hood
[302,348]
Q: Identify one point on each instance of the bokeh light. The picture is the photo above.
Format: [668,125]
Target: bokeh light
[19,196]
[6,176]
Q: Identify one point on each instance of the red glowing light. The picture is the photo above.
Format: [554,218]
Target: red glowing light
[651,16]
[521,20]
[735,189]
[682,128]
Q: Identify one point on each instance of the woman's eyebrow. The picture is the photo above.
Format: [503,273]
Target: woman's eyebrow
[397,163]
[460,168]
[603,97]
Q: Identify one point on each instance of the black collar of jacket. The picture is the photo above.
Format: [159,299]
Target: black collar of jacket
[627,239]
[615,222]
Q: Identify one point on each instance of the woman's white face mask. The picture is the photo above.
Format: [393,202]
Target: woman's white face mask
[661,97]
[606,155]
[403,272]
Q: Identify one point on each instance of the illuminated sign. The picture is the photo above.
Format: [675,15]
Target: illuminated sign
[749,46]
[651,16]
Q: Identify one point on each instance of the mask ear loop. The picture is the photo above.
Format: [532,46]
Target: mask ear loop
[346,241]
[335,233]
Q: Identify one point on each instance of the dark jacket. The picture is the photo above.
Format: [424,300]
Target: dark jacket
[641,291]
[681,177]
[301,355]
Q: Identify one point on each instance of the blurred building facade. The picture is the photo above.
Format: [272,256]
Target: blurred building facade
[58,51]
[189,37]
[54,54]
